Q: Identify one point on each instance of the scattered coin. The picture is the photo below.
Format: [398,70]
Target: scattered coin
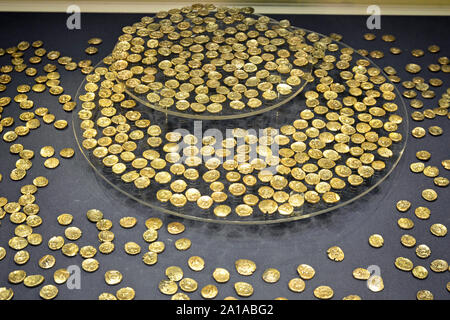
[221,275]
[323,292]
[335,253]
[48,292]
[113,277]
[126,293]
[243,289]
[376,241]
[271,275]
[245,267]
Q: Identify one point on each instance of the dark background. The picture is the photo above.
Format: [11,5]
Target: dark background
[74,187]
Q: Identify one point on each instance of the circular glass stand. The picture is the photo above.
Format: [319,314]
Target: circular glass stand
[331,140]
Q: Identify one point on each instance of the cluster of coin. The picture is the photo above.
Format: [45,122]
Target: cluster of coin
[422,213]
[24,213]
[32,116]
[342,138]
[203,59]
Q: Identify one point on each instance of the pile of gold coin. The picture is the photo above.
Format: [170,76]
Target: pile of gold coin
[203,59]
[344,137]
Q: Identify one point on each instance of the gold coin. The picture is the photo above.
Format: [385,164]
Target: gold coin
[90,265]
[95,41]
[446,164]
[376,241]
[431,171]
[106,247]
[47,152]
[405,223]
[21,257]
[245,267]
[40,182]
[422,213]
[175,228]
[67,153]
[104,225]
[435,130]
[47,261]
[168,287]
[126,293]
[150,235]
[323,292]
[94,215]
[180,296]
[222,211]
[424,295]
[65,219]
[23,231]
[423,155]
[196,263]
[243,289]
[375,283]
[132,248]
[157,246]
[418,132]
[335,253]
[413,68]
[403,205]
[17,276]
[306,272]
[221,275]
[420,272]
[438,229]
[113,277]
[296,285]
[153,223]
[271,275]
[106,236]
[48,292]
[209,291]
[128,222]
[73,233]
[6,293]
[106,296]
[174,273]
[60,124]
[55,243]
[88,252]
[439,265]
[441,182]
[17,174]
[2,253]
[91,50]
[60,276]
[361,274]
[429,194]
[352,297]
[403,264]
[32,281]
[408,240]
[150,258]
[183,244]
[423,251]
[188,285]
[34,239]
[70,249]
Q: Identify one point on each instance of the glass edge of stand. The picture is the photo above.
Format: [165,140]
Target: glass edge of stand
[269,220]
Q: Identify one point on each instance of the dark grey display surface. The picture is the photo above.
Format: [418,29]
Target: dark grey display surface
[75,188]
